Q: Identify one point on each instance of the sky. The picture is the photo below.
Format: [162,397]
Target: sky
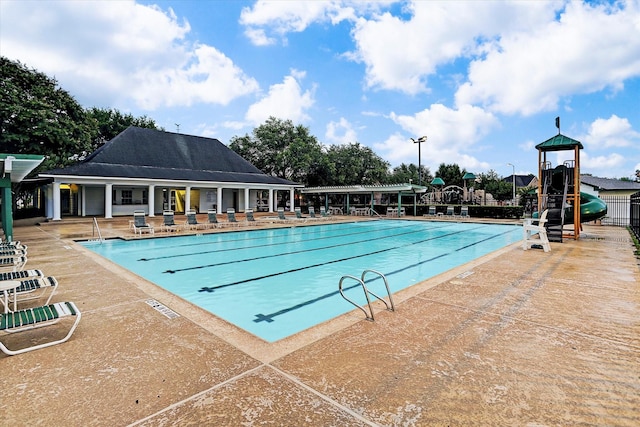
[482,80]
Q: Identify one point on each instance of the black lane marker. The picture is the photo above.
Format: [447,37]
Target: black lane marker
[263,245]
[412,231]
[226,285]
[270,317]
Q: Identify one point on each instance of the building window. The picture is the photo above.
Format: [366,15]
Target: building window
[145,198]
[126,197]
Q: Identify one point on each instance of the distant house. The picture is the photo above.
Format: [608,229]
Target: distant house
[150,170]
[523,181]
[615,193]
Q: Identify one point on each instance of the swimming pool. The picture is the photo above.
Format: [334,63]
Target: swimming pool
[276,282]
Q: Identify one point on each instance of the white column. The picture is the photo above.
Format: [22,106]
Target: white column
[271,200]
[151,199]
[108,200]
[83,204]
[292,193]
[247,202]
[219,199]
[56,201]
[187,198]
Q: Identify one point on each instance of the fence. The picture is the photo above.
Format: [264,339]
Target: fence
[634,213]
[618,210]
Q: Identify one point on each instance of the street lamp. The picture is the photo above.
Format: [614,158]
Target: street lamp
[419,141]
[514,183]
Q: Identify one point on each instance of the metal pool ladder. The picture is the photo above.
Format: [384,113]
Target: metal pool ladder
[367,292]
[96,227]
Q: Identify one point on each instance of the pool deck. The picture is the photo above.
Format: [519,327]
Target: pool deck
[514,338]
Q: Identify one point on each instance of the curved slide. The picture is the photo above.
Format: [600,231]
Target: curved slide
[591,208]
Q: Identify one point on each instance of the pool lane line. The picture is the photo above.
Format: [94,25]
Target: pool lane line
[239,282]
[412,231]
[332,228]
[270,317]
[268,244]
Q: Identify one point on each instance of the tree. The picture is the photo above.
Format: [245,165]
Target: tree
[492,183]
[108,123]
[356,164]
[38,117]
[451,174]
[279,148]
[409,173]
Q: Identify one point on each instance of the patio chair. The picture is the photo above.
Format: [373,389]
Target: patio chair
[140,224]
[231,217]
[450,211]
[323,213]
[6,252]
[37,317]
[31,289]
[312,213]
[299,216]
[281,215]
[431,211]
[464,212]
[168,222]
[249,217]
[13,263]
[212,218]
[192,221]
[533,226]
[22,274]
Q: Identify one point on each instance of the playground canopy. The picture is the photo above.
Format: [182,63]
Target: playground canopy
[559,143]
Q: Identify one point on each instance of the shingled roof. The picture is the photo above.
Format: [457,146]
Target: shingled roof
[609,183]
[152,154]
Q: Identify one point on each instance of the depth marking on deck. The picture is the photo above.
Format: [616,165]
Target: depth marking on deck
[162,309]
[465,274]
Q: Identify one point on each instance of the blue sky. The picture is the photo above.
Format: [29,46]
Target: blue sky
[483,80]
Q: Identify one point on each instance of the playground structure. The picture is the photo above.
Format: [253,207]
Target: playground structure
[559,190]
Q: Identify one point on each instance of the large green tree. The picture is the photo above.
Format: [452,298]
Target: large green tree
[492,183]
[279,148]
[107,123]
[451,174]
[356,164]
[409,173]
[38,117]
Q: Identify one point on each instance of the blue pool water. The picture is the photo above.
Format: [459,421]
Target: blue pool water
[277,282]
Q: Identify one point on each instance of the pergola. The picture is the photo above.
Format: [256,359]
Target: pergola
[401,190]
[13,168]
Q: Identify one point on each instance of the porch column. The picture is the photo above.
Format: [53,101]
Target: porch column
[219,199]
[83,204]
[247,202]
[271,200]
[108,200]
[187,199]
[56,201]
[151,199]
[292,192]
[7,208]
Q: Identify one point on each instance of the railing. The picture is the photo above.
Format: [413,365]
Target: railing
[96,228]
[634,214]
[618,210]
[369,315]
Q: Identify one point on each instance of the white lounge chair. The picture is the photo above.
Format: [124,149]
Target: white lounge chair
[533,226]
[13,263]
[168,222]
[31,318]
[33,288]
[212,219]
[192,221]
[20,275]
[140,224]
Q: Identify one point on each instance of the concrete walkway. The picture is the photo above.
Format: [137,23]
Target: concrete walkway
[515,338]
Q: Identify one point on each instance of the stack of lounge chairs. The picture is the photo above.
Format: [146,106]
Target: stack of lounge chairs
[18,286]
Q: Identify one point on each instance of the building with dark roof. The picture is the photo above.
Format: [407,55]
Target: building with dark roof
[616,194]
[151,170]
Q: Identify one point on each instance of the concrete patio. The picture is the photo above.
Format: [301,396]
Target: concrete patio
[515,338]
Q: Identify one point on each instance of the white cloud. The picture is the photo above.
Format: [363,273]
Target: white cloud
[451,135]
[609,166]
[341,132]
[119,53]
[591,47]
[283,17]
[285,101]
[611,132]
[436,34]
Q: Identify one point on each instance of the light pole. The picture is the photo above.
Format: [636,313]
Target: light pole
[513,202]
[419,141]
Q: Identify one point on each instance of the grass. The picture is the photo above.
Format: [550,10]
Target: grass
[635,242]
